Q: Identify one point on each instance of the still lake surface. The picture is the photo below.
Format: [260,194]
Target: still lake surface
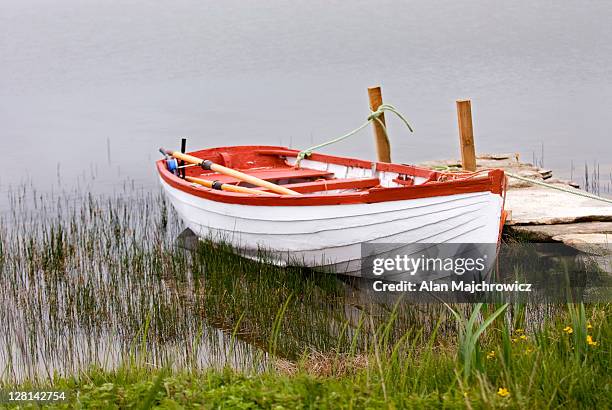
[90,90]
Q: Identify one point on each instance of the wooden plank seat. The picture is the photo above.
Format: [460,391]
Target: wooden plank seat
[270,174]
[332,184]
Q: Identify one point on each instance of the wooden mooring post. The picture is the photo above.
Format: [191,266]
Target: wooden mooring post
[383,147]
[466,135]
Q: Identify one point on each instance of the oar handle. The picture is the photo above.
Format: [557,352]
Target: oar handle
[228,187]
[209,165]
[185,157]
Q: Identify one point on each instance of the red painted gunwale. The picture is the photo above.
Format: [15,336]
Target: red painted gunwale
[254,157]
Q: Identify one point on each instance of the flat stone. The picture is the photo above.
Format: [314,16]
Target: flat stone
[545,173]
[600,239]
[597,245]
[563,182]
[537,205]
[591,238]
[513,156]
[440,163]
[545,214]
[561,232]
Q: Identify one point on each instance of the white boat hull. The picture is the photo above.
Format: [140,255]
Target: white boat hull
[332,236]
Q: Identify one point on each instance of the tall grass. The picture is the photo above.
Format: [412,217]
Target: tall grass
[470,355]
[93,290]
[99,281]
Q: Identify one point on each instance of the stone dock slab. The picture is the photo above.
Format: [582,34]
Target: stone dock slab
[545,214]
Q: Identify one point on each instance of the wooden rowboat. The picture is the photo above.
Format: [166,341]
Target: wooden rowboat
[338,204]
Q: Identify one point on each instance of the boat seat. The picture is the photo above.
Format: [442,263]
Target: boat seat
[332,184]
[271,174]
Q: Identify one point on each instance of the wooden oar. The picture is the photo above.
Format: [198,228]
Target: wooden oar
[209,165]
[227,187]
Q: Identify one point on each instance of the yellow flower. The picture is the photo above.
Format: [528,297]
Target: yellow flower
[589,326]
[523,337]
[514,339]
[590,341]
[491,354]
[519,331]
[503,392]
[568,330]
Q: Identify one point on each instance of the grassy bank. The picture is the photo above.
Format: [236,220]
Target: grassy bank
[562,364]
[97,299]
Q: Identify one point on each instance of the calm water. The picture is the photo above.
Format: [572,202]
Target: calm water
[88,92]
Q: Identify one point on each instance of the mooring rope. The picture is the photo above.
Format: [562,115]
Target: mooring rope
[532,181]
[560,188]
[374,116]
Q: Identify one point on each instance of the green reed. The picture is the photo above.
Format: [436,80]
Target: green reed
[96,284]
[83,276]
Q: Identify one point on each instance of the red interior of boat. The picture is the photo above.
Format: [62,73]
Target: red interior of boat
[268,174]
[271,164]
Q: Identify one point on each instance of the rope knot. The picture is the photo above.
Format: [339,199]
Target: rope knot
[374,116]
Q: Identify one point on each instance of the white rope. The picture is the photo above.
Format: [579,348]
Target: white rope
[560,188]
[374,116]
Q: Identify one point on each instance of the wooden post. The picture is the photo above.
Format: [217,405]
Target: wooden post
[466,135]
[383,148]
